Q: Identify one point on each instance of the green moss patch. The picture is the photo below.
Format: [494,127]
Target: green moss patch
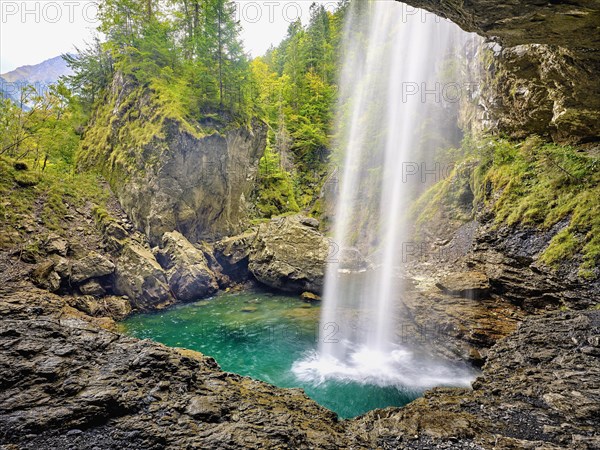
[275,192]
[129,120]
[45,197]
[529,183]
[541,184]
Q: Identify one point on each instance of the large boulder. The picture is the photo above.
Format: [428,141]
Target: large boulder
[93,265]
[56,244]
[93,288]
[223,280]
[45,277]
[290,254]
[188,274]
[233,254]
[351,259]
[140,277]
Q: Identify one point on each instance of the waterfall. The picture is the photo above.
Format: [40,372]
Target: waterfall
[394,76]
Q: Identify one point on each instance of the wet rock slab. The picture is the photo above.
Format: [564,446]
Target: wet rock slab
[290,255]
[465,284]
[67,384]
[538,390]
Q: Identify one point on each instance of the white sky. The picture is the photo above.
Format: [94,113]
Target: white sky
[32,31]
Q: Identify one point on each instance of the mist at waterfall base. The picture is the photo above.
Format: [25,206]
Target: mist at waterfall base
[396,65]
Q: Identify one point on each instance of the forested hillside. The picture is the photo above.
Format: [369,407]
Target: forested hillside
[185,62]
[192,61]
[297,95]
[188,53]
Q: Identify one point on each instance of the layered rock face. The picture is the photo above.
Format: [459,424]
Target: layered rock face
[124,264]
[510,258]
[537,384]
[67,384]
[544,79]
[545,90]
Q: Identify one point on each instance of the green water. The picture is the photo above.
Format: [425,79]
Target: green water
[260,335]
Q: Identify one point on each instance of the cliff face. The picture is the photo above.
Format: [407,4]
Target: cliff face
[540,77]
[545,90]
[169,173]
[544,69]
[199,186]
[516,212]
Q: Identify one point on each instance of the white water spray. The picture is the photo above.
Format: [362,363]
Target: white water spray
[391,76]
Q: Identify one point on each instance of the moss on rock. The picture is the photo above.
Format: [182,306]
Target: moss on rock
[169,170]
[528,183]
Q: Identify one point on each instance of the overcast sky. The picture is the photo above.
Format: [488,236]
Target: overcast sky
[35,30]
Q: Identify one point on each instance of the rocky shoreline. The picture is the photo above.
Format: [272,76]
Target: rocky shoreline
[69,383]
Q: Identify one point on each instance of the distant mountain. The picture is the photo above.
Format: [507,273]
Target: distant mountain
[8,90]
[45,72]
[39,75]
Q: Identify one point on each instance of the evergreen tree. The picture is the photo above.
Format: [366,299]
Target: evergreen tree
[93,71]
[297,81]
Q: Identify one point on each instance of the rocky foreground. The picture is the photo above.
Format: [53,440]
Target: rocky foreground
[65,382]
